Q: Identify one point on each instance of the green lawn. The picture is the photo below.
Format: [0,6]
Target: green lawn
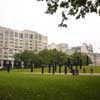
[95,68]
[22,86]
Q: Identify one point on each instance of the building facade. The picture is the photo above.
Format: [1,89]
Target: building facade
[87,49]
[14,41]
[60,47]
[97,59]
[84,48]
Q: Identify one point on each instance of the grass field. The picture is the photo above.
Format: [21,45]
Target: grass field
[22,86]
[96,69]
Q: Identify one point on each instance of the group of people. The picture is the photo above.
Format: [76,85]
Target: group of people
[52,68]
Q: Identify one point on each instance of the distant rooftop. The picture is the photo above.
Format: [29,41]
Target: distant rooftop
[26,30]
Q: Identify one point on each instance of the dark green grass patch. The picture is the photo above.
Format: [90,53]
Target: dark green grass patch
[20,86]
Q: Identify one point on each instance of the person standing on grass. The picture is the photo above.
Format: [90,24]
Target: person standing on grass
[91,71]
[8,66]
[84,70]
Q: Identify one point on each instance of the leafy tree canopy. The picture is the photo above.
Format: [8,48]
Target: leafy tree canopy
[52,57]
[76,8]
[77,56]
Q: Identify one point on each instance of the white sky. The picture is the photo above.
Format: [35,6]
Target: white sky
[29,14]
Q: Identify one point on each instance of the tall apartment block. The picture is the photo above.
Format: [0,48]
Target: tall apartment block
[14,41]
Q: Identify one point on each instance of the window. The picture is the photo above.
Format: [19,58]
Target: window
[26,35]
[16,34]
[36,36]
[31,36]
[1,38]
[30,47]
[12,39]
[20,35]
[11,34]
[1,35]
[1,41]
[40,37]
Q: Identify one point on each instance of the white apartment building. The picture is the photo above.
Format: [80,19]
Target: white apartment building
[84,48]
[60,47]
[14,41]
[88,49]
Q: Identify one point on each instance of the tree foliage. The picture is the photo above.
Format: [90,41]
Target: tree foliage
[51,57]
[76,8]
[77,56]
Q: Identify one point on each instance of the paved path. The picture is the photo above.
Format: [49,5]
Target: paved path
[84,74]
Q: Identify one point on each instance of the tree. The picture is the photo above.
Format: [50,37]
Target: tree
[52,57]
[61,57]
[17,57]
[58,57]
[76,8]
[77,56]
[44,56]
[28,57]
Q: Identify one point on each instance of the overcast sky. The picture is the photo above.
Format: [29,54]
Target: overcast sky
[29,14]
